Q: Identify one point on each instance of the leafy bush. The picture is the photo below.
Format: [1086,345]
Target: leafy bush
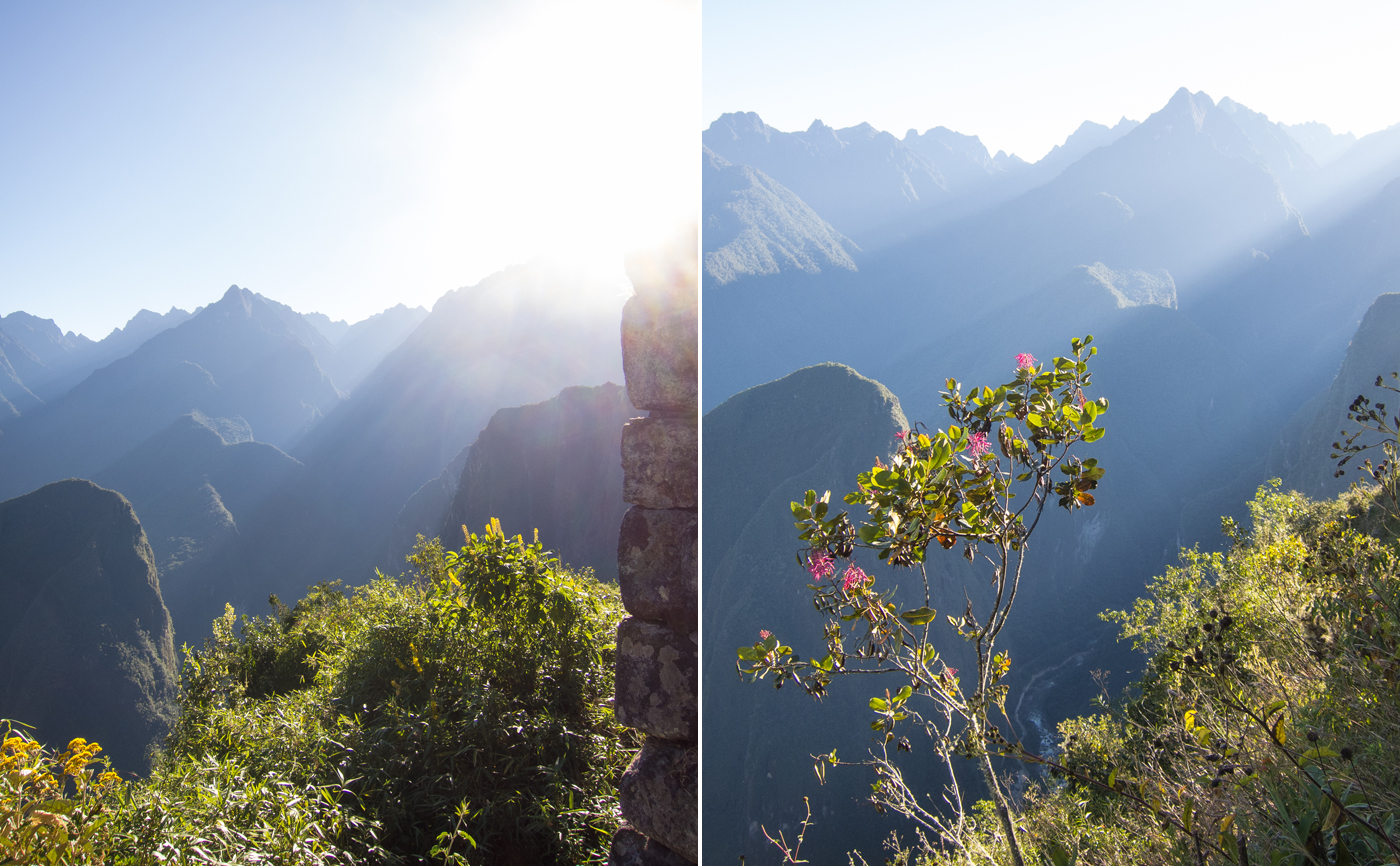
[1266,726]
[460,715]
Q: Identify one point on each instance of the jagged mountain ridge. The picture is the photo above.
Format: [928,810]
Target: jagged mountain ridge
[236,358]
[756,226]
[66,359]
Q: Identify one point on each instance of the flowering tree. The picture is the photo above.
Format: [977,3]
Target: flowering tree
[950,488]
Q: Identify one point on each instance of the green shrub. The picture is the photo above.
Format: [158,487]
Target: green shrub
[463,715]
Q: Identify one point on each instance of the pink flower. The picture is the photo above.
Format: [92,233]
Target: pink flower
[764,633]
[853,577]
[977,445]
[1025,361]
[820,565]
[899,434]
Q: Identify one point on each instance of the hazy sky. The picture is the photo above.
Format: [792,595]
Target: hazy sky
[1023,75]
[338,156]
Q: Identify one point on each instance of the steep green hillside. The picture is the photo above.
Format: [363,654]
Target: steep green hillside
[85,640]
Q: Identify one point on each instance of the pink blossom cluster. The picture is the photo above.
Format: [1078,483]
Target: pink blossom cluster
[764,634]
[977,446]
[1025,361]
[853,577]
[820,564]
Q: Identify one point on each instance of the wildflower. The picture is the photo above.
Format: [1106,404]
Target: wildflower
[853,577]
[977,446]
[1025,361]
[764,633]
[899,434]
[820,565]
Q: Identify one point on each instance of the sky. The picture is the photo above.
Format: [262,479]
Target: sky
[339,156]
[1023,75]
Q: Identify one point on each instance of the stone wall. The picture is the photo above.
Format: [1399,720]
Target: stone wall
[657,671]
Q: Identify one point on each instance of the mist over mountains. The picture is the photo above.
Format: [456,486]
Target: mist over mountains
[256,450]
[1224,263]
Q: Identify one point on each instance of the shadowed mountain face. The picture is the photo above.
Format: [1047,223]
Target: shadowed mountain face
[520,335]
[1301,456]
[85,640]
[554,466]
[236,359]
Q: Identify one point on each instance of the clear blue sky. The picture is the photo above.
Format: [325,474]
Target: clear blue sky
[338,155]
[1023,75]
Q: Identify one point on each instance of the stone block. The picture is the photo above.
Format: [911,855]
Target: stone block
[630,848]
[656,565]
[659,794]
[660,462]
[657,684]
[659,356]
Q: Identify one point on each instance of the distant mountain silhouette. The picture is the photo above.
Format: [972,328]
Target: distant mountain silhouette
[520,335]
[67,359]
[16,364]
[1319,141]
[364,344]
[85,640]
[1275,146]
[858,179]
[237,358]
[1088,137]
[755,226]
[1185,191]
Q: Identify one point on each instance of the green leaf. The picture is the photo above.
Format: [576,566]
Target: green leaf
[879,705]
[1035,420]
[903,694]
[810,499]
[919,615]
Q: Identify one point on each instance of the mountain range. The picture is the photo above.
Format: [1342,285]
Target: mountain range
[1233,270]
[256,451]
